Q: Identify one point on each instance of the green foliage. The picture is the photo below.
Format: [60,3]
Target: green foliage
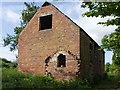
[102,9]
[11,78]
[7,64]
[107,67]
[27,14]
[14,79]
[110,42]
[114,70]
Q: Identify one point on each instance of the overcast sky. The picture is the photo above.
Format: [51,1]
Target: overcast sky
[10,13]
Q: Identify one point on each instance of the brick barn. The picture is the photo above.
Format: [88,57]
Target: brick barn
[52,44]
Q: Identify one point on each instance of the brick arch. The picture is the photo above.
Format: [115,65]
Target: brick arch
[61,72]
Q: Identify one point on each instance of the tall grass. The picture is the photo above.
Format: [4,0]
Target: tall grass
[13,79]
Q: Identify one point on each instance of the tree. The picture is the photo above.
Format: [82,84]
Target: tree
[27,14]
[110,42]
[114,69]
[107,67]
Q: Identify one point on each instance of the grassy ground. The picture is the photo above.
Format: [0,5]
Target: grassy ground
[0,78]
[11,78]
[110,83]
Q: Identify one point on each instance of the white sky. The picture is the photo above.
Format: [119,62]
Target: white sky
[10,18]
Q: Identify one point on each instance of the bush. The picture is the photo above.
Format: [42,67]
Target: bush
[14,79]
[11,78]
[7,64]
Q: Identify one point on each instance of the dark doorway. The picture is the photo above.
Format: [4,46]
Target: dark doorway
[61,61]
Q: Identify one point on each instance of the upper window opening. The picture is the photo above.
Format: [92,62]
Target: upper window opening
[46,22]
[61,61]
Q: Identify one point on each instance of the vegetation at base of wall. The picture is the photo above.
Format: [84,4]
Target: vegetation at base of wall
[11,78]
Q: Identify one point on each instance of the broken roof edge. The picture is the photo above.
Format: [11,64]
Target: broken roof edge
[46,3]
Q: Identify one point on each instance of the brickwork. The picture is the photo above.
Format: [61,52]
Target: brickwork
[92,58]
[39,49]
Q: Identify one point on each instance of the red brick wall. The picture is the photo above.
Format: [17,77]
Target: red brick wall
[36,45]
[92,61]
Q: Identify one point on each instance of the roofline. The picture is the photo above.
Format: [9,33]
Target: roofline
[65,16]
[78,26]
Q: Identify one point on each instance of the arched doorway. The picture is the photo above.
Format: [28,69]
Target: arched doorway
[61,61]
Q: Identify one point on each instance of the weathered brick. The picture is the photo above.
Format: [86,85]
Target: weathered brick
[65,37]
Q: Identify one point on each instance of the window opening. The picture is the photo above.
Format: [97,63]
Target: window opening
[61,61]
[45,22]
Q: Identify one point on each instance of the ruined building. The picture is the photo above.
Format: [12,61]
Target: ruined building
[52,44]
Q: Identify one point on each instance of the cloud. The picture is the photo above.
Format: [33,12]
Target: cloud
[93,29]
[89,24]
[12,16]
[5,53]
[9,18]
